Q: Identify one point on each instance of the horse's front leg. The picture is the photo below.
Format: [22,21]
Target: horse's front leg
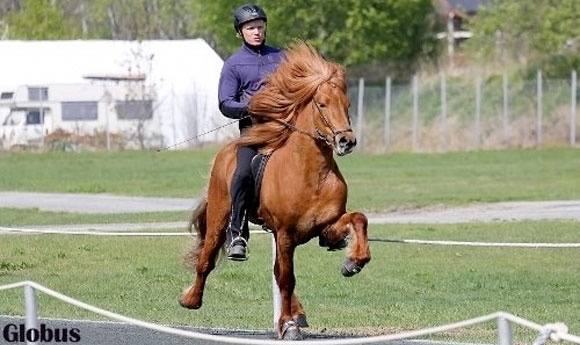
[354,224]
[298,313]
[284,273]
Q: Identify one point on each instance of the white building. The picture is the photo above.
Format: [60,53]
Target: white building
[151,93]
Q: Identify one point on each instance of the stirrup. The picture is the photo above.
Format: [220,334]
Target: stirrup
[237,249]
[238,239]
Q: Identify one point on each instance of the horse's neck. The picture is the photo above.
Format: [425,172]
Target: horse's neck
[312,152]
[306,144]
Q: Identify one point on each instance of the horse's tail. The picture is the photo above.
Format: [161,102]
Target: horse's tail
[197,223]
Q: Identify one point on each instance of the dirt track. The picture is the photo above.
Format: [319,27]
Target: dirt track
[106,203]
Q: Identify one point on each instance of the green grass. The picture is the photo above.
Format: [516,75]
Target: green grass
[150,173]
[376,182]
[20,217]
[405,286]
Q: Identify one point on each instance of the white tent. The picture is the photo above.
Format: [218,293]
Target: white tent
[184,75]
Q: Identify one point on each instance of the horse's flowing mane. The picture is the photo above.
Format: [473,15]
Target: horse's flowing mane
[286,92]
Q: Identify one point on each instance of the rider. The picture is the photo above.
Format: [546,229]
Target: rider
[241,76]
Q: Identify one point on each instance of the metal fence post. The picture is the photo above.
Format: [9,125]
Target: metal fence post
[30,310]
[415,129]
[387,133]
[443,111]
[360,111]
[506,122]
[276,297]
[504,331]
[573,109]
[539,106]
[477,125]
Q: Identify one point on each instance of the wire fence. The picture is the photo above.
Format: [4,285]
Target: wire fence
[450,113]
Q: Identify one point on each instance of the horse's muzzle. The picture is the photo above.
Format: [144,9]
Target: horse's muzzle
[344,143]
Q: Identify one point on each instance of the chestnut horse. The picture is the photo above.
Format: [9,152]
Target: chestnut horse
[303,120]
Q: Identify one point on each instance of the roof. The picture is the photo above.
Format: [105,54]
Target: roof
[69,61]
[460,7]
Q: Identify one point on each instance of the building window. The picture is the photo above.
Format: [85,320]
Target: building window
[37,93]
[6,95]
[78,111]
[134,110]
[34,117]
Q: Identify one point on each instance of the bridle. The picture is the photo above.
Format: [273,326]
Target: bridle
[321,135]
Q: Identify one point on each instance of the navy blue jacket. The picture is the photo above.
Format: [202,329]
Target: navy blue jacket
[241,76]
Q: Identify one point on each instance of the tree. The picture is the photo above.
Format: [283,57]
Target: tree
[392,34]
[531,31]
[38,19]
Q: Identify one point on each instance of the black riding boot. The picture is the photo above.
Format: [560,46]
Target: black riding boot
[237,234]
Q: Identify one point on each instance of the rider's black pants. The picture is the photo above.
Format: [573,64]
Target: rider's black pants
[241,192]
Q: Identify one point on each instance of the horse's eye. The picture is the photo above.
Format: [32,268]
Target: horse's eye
[321,105]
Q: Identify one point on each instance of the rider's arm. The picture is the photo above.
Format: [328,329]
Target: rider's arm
[230,103]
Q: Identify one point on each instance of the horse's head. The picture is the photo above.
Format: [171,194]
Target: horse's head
[331,117]
[307,94]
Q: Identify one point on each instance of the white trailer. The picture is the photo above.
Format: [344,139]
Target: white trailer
[105,106]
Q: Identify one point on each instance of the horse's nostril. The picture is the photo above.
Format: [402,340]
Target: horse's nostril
[345,141]
[348,143]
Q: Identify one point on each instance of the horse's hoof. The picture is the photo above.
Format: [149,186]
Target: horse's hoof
[300,321]
[188,303]
[290,331]
[350,268]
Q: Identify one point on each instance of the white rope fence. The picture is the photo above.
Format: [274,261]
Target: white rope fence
[482,244]
[555,331]
[8,230]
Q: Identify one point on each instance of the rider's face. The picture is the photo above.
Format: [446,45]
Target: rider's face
[254,32]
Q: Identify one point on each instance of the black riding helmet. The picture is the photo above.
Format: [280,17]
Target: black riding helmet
[247,13]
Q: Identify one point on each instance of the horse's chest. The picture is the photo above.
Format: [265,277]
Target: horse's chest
[332,185]
[306,196]
[329,200]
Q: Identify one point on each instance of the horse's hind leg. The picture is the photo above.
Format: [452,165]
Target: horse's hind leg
[356,225]
[192,297]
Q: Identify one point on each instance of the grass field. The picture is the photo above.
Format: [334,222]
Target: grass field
[376,182]
[404,287]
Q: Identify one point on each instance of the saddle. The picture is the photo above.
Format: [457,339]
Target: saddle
[258,166]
